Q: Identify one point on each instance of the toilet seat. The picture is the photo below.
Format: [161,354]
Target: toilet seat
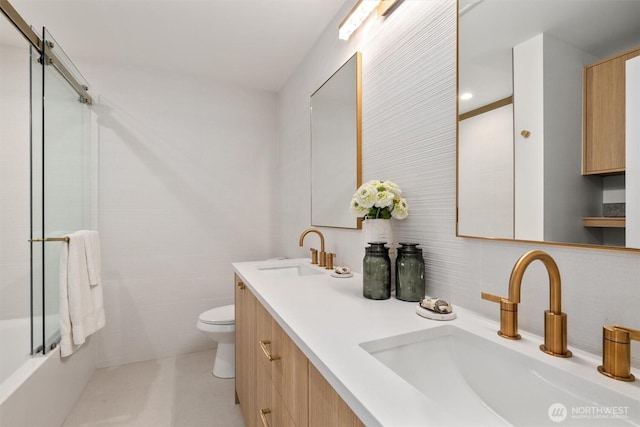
[224,315]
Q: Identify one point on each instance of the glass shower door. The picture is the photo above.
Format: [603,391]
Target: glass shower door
[62,183]
[37,204]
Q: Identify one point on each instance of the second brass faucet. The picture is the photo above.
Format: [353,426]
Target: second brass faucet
[555,321]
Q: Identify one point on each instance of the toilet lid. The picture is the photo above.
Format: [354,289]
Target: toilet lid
[224,315]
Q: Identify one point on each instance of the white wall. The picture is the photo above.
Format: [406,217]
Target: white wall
[186,173]
[485,175]
[14,181]
[528,105]
[409,137]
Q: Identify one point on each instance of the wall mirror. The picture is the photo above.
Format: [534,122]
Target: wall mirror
[336,136]
[520,135]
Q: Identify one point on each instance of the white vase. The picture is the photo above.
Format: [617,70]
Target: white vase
[378,230]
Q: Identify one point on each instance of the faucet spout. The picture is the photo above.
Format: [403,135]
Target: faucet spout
[555,289]
[555,321]
[322,253]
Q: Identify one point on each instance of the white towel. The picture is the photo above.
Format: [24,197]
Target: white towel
[92,251]
[81,306]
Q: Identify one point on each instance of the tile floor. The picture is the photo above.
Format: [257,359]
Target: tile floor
[177,391]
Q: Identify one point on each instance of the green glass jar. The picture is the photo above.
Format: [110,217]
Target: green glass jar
[409,273]
[376,271]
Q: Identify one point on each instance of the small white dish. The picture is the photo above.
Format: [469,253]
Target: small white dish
[428,314]
[341,276]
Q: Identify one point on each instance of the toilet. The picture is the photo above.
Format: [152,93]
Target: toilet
[219,324]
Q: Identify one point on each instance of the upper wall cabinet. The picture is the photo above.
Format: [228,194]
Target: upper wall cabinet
[604,115]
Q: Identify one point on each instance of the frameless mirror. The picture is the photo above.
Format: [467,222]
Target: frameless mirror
[335,146]
[520,136]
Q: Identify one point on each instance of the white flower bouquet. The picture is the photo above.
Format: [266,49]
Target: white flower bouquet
[379,199]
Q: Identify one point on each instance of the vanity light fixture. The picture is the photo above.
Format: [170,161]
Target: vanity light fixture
[360,12]
[386,6]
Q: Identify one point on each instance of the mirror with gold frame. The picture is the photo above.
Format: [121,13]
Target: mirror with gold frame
[520,136]
[336,139]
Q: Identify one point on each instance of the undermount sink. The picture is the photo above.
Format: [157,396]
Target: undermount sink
[475,381]
[288,270]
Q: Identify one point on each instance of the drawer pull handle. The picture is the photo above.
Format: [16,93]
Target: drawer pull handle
[263,346]
[241,285]
[263,416]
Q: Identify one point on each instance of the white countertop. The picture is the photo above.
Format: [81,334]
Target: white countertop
[328,318]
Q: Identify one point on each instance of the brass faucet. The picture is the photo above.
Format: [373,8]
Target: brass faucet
[555,321]
[616,352]
[322,253]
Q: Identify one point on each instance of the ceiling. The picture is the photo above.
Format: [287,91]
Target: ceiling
[250,43]
[488,29]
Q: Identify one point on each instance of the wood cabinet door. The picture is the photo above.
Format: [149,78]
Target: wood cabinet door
[245,361]
[290,375]
[264,338]
[604,115]
[326,407]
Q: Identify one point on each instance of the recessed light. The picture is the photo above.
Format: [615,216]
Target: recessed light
[465,96]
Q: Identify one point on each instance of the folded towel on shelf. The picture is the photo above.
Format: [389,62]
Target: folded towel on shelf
[81,301]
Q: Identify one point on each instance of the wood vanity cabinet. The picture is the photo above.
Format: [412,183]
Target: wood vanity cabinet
[276,385]
[603,150]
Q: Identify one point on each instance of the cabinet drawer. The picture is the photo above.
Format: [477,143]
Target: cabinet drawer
[265,351]
[271,410]
[285,364]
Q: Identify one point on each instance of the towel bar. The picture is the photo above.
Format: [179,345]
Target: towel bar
[50,239]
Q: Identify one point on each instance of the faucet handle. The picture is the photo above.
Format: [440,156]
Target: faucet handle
[616,352]
[491,297]
[508,316]
[314,256]
[329,260]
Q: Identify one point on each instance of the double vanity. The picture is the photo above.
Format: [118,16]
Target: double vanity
[358,361]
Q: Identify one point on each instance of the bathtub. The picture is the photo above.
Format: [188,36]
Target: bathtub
[40,390]
[14,347]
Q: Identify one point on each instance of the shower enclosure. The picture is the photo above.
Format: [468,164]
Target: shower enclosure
[48,176]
